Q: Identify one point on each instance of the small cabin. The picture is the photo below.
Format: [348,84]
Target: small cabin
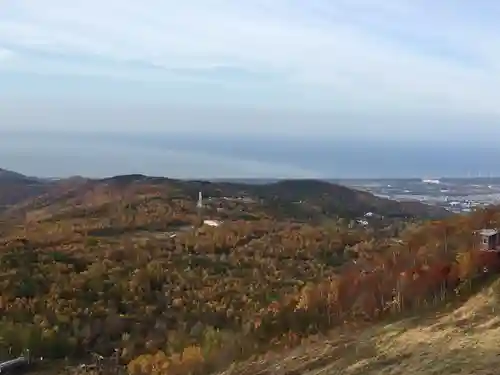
[489,240]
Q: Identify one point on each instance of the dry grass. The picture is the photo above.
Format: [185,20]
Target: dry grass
[463,340]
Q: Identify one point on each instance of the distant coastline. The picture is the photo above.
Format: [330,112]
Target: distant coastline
[240,157]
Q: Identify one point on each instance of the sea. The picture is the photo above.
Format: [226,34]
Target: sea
[208,156]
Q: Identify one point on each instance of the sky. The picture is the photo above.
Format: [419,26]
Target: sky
[399,70]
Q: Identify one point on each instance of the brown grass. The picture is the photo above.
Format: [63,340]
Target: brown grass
[461,340]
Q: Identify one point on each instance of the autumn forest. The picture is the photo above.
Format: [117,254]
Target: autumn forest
[125,269]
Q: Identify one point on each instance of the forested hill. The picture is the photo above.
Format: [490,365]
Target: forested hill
[343,201]
[124,267]
[16,187]
[299,199]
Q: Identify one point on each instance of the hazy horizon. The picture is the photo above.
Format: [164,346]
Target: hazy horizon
[218,156]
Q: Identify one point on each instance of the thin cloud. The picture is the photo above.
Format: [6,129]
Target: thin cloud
[417,55]
[5,54]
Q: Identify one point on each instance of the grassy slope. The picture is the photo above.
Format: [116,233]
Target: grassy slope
[462,339]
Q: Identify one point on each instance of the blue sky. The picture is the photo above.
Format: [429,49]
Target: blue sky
[390,68]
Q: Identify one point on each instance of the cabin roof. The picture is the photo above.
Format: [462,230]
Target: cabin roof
[488,232]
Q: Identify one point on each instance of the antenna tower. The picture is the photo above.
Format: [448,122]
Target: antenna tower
[199,205]
[200,200]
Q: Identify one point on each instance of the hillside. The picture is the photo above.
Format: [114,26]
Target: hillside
[16,187]
[123,267]
[459,339]
[302,200]
[335,199]
[6,176]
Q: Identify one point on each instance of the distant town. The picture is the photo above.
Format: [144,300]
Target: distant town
[457,195]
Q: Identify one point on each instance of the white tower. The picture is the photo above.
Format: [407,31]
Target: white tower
[199,207]
[200,200]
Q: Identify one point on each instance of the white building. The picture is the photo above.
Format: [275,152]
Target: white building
[212,223]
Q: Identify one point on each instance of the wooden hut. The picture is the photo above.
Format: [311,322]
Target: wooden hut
[489,240]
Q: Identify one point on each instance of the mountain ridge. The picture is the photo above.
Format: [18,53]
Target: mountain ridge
[301,197]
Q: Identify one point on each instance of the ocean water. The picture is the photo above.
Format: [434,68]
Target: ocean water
[231,156]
